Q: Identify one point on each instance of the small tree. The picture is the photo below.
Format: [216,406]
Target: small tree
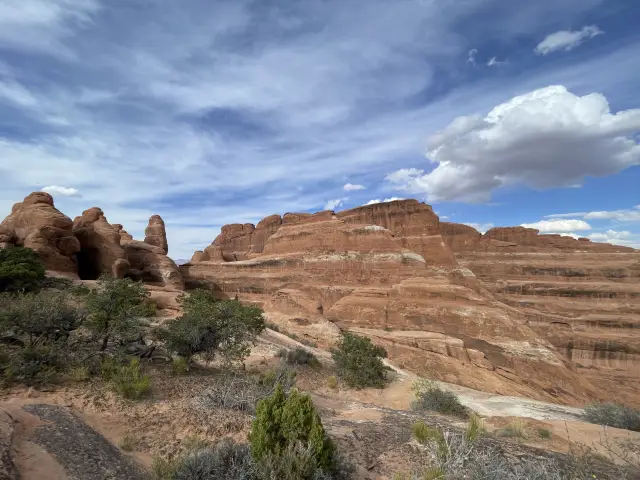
[359,362]
[211,326]
[286,422]
[115,308]
[21,270]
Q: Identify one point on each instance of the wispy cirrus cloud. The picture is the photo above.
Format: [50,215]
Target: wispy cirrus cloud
[212,113]
[566,39]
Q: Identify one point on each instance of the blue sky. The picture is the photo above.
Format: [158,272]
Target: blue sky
[210,112]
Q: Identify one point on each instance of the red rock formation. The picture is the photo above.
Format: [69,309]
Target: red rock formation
[35,223]
[151,265]
[385,271]
[155,233]
[100,251]
[265,228]
[124,235]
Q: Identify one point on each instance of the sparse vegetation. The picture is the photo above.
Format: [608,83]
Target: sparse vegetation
[544,433]
[515,429]
[298,356]
[359,363]
[210,326]
[242,392]
[453,455]
[332,382]
[613,415]
[129,381]
[128,443]
[429,396]
[179,366]
[21,270]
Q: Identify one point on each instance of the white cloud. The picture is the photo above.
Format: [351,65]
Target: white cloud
[471,55]
[575,236]
[494,62]
[566,39]
[545,138]
[377,200]
[220,111]
[548,226]
[623,237]
[64,191]
[481,227]
[335,203]
[624,215]
[349,187]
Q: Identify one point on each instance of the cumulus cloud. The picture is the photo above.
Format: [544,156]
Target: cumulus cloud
[377,200]
[335,203]
[623,215]
[623,237]
[554,226]
[64,191]
[543,139]
[350,187]
[566,39]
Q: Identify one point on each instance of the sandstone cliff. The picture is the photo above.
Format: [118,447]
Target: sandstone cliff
[393,272]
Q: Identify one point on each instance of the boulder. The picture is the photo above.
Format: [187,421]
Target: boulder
[150,263]
[35,223]
[155,233]
[100,250]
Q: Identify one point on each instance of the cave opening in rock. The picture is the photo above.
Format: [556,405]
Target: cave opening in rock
[88,263]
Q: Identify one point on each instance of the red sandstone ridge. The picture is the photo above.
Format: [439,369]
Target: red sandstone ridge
[393,272]
[35,223]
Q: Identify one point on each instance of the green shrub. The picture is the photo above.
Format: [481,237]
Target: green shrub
[544,433]
[515,429]
[32,366]
[114,309]
[211,326]
[226,461]
[299,356]
[179,366]
[129,381]
[359,363]
[429,396]
[332,382]
[37,319]
[21,270]
[613,415]
[282,422]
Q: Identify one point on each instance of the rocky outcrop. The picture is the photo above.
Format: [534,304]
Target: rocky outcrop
[150,265]
[124,235]
[35,223]
[100,250]
[155,234]
[263,231]
[387,271]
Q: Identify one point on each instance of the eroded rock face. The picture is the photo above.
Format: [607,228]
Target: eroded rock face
[100,249]
[152,266]
[388,271]
[124,235]
[35,223]
[155,233]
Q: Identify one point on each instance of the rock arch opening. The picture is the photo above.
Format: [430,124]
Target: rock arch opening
[88,263]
